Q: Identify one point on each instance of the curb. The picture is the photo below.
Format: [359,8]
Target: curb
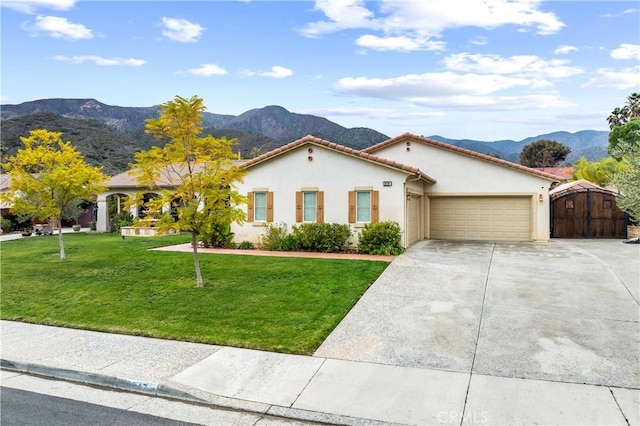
[147,388]
[194,397]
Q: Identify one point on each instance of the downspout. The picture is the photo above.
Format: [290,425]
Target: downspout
[406,214]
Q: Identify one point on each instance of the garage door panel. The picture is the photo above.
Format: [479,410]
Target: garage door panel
[481,218]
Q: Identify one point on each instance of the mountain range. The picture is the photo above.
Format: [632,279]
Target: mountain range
[109,135]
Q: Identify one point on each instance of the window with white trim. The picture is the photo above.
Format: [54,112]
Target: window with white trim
[260,206]
[363,206]
[309,206]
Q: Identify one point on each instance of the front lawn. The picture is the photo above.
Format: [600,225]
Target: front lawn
[115,285]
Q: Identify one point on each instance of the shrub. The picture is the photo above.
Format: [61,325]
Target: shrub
[273,236]
[5,224]
[289,243]
[245,245]
[18,222]
[383,238]
[217,235]
[120,220]
[322,237]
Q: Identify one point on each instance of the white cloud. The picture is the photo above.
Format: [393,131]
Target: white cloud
[343,14]
[400,43]
[519,65]
[181,30]
[58,27]
[100,61]
[276,72]
[626,51]
[385,114]
[469,91]
[206,70]
[30,6]
[480,41]
[430,85]
[421,20]
[628,78]
[564,49]
[624,12]
[495,103]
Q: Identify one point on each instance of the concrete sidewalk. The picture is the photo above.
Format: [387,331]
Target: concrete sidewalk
[306,388]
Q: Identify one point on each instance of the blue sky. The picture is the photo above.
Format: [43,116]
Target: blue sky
[477,69]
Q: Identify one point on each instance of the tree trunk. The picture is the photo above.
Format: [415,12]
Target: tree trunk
[60,242]
[196,260]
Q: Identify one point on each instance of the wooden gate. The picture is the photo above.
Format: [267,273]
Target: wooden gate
[587,213]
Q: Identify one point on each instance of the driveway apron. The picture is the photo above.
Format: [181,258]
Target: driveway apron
[423,311]
[564,311]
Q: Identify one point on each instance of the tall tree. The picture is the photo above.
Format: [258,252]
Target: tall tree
[195,175]
[627,179]
[624,145]
[543,153]
[621,115]
[48,177]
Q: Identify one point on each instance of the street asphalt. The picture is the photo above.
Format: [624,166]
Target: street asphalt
[451,333]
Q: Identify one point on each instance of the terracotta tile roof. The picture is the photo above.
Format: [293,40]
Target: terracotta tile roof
[563,173]
[127,180]
[578,185]
[122,180]
[462,151]
[338,148]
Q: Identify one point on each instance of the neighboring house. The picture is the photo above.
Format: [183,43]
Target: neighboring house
[5,184]
[563,174]
[431,189]
[5,206]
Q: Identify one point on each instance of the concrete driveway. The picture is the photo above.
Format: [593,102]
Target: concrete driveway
[564,311]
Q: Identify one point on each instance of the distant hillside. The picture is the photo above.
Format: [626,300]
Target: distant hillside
[590,143]
[109,135]
[118,118]
[99,144]
[250,128]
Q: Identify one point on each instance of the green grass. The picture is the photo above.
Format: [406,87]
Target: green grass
[110,284]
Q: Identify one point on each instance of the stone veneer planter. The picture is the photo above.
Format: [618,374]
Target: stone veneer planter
[633,231]
[142,231]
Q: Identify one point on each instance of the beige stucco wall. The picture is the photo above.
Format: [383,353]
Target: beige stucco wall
[332,172]
[102,222]
[459,174]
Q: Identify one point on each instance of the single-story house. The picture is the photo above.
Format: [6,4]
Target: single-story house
[431,189]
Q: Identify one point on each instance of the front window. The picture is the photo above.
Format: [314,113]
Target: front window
[363,206]
[260,206]
[309,206]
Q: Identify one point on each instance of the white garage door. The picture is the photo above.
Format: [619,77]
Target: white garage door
[413,219]
[480,218]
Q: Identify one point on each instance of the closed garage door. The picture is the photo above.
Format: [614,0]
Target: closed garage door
[480,218]
[413,219]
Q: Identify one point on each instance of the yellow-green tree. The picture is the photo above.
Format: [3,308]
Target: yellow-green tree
[600,172]
[48,176]
[194,175]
